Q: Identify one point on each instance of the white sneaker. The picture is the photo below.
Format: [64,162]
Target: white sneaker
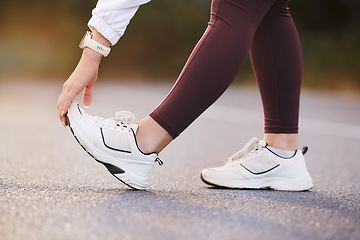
[256,167]
[112,142]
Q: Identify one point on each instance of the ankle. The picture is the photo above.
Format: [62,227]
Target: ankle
[282,141]
[144,145]
[151,137]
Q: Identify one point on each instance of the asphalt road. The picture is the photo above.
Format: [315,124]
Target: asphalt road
[51,189]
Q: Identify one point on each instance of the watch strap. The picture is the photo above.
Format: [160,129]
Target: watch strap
[97,47]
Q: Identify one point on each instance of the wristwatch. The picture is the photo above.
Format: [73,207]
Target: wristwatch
[87,41]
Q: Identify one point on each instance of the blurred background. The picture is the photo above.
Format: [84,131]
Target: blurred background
[39,41]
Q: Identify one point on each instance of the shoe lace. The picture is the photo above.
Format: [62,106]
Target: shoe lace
[251,147]
[122,120]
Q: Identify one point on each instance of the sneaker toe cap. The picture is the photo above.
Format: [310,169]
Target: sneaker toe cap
[213,175]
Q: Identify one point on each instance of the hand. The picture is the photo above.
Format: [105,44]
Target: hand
[83,78]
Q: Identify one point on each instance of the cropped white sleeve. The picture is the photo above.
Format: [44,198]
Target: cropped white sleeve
[111,17]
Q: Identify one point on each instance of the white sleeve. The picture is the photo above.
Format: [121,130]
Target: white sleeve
[111,17]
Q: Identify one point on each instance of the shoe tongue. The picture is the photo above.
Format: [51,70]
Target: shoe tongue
[254,142]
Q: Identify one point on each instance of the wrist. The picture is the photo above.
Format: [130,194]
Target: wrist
[95,43]
[91,55]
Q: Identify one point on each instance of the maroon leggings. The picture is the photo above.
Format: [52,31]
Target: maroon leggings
[263,27]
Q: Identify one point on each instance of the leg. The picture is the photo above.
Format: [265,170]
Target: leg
[283,141]
[277,62]
[212,65]
[151,136]
[208,72]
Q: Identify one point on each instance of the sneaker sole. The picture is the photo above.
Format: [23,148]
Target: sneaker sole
[124,178]
[268,183]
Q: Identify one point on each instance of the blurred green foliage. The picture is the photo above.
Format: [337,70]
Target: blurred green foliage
[40,39]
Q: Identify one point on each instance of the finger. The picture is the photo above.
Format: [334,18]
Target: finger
[60,105]
[61,111]
[64,102]
[88,94]
[64,121]
[62,97]
[67,102]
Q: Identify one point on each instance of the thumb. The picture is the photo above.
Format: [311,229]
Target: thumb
[88,94]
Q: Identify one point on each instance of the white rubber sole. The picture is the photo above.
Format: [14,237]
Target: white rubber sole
[275,183]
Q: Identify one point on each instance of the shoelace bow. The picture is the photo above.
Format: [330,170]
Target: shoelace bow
[252,145]
[122,119]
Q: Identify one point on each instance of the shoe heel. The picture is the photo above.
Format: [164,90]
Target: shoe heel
[302,185]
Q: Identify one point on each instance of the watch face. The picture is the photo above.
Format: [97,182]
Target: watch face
[82,42]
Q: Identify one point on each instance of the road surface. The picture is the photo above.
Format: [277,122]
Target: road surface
[51,189]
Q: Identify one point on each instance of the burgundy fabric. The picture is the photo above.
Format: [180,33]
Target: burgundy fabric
[263,27]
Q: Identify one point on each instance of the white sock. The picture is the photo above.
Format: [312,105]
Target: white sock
[282,153]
